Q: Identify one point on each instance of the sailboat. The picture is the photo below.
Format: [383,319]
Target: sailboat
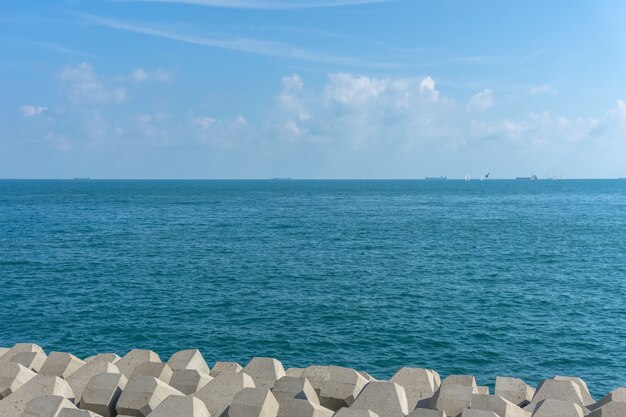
[467,177]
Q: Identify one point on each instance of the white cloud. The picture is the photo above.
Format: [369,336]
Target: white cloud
[144,118]
[481,101]
[141,75]
[240,121]
[349,89]
[204,122]
[542,89]
[30,111]
[428,86]
[83,85]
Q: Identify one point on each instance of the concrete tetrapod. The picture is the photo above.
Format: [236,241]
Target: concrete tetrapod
[424,412]
[218,394]
[102,393]
[189,381]
[289,387]
[582,385]
[178,406]
[296,372]
[264,371]
[158,370]
[454,395]
[188,359]
[220,367]
[142,395]
[387,399]
[497,404]
[553,389]
[79,379]
[302,408]
[514,390]
[135,357]
[253,402]
[557,408]
[342,388]
[615,396]
[76,412]
[12,376]
[351,412]
[14,404]
[28,355]
[419,385]
[316,375]
[477,413]
[104,357]
[368,377]
[46,406]
[613,409]
[61,364]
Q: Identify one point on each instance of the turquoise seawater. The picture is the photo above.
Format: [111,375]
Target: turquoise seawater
[487,278]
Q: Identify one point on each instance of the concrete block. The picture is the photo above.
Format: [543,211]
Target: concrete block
[557,408]
[253,402]
[302,408]
[289,387]
[368,376]
[582,385]
[75,412]
[158,370]
[188,359]
[104,357]
[553,389]
[142,395]
[189,381]
[477,413]
[481,389]
[454,395]
[3,350]
[419,385]
[26,354]
[424,412]
[79,379]
[135,357]
[295,372]
[46,406]
[220,391]
[60,364]
[14,404]
[316,375]
[13,376]
[350,412]
[514,390]
[178,406]
[341,389]
[264,371]
[613,409]
[618,395]
[497,404]
[387,399]
[102,393]
[220,367]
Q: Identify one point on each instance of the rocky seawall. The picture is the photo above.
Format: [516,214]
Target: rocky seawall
[58,384]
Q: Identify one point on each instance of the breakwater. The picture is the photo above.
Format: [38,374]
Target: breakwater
[34,383]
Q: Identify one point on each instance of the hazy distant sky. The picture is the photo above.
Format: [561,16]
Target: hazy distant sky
[312,89]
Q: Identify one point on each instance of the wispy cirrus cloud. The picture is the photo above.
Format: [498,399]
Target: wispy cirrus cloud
[254,46]
[50,46]
[266,4]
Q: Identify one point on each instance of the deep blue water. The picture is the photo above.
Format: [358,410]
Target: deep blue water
[487,278]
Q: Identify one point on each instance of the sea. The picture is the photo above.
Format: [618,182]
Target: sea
[497,277]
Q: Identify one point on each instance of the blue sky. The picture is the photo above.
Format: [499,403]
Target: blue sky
[312,89]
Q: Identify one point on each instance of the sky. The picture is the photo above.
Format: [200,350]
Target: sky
[312,89]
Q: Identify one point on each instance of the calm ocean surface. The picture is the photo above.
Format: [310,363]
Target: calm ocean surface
[487,278]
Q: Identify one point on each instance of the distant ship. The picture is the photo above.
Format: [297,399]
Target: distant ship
[281,179]
[442,178]
[533,177]
[81,178]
